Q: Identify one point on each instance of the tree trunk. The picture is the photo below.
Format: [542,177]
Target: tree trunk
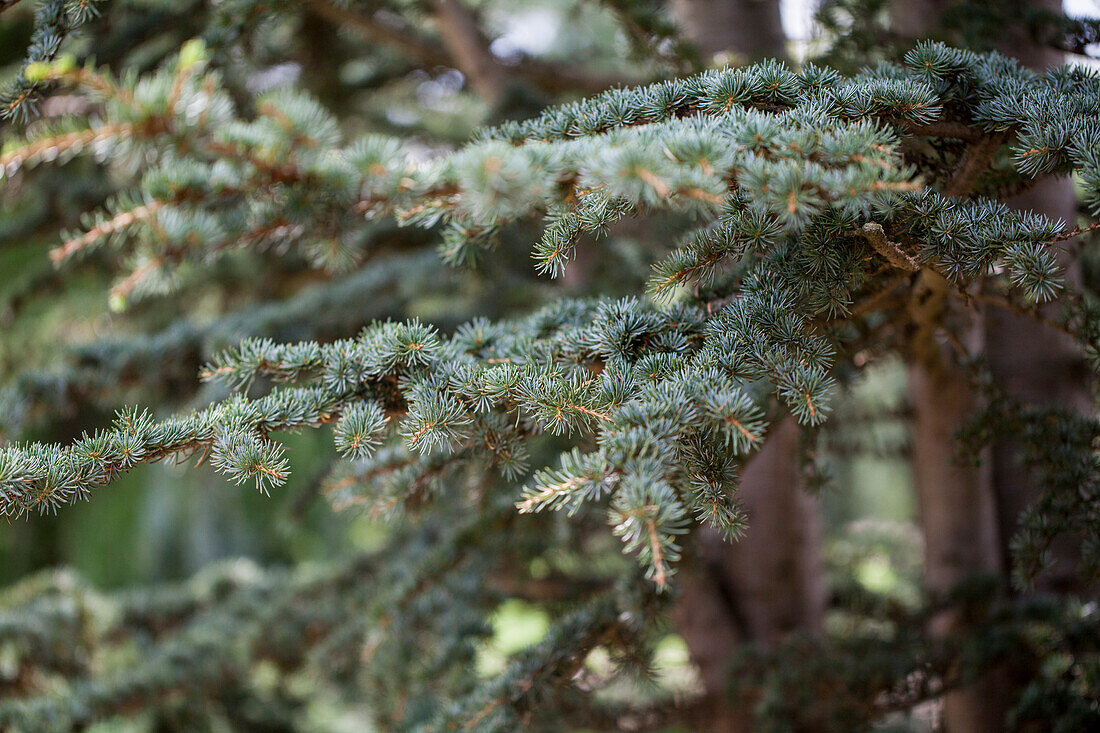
[462,37]
[1052,369]
[760,588]
[1049,369]
[749,29]
[775,572]
[955,501]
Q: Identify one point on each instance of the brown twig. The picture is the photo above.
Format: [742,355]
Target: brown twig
[123,289]
[119,222]
[890,251]
[1074,232]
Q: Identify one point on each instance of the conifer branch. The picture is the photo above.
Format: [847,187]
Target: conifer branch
[120,221]
[551,664]
[805,209]
[774,178]
[1074,232]
[53,147]
[388,32]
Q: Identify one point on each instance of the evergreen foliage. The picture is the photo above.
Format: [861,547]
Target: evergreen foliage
[821,209]
[53,21]
[784,171]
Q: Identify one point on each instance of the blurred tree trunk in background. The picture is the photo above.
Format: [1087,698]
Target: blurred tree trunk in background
[969,514]
[1030,364]
[761,587]
[771,581]
[463,39]
[955,502]
[749,29]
